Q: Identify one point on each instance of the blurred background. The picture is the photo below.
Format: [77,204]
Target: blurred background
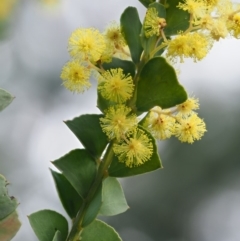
[197,194]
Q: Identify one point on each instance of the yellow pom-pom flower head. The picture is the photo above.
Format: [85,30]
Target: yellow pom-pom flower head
[118,121]
[76,76]
[212,3]
[191,128]
[160,125]
[108,53]
[153,23]
[6,8]
[188,106]
[197,8]
[86,44]
[233,25]
[114,35]
[134,150]
[115,86]
[191,45]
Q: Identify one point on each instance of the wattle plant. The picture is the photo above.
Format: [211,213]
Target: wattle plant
[141,101]
[9,222]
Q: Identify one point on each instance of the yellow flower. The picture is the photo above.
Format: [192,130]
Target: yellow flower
[224,8]
[123,54]
[75,76]
[188,106]
[212,3]
[190,128]
[113,34]
[234,25]
[197,8]
[6,8]
[161,126]
[118,121]
[153,24]
[108,53]
[115,86]
[134,150]
[206,22]
[194,45]
[217,27]
[86,44]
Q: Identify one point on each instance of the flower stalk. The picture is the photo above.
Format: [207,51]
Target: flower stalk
[77,228]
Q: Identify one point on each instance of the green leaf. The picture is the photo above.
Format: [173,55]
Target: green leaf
[146,2]
[102,103]
[159,79]
[177,19]
[118,169]
[88,130]
[93,208]
[114,201]
[58,236]
[5,99]
[149,43]
[131,27]
[7,204]
[69,197]
[79,168]
[9,226]
[99,231]
[127,66]
[160,9]
[161,51]
[45,223]
[9,222]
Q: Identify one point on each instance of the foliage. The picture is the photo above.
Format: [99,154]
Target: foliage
[5,99]
[141,102]
[9,222]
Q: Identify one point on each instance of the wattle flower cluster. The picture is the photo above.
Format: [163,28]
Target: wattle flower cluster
[132,136]
[181,122]
[209,21]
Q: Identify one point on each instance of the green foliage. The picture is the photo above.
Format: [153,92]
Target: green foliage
[57,236]
[87,184]
[177,19]
[160,9]
[86,181]
[147,2]
[5,99]
[114,201]
[132,31]
[102,103]
[9,222]
[93,208]
[79,168]
[69,197]
[159,79]
[82,127]
[8,204]
[99,230]
[49,225]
